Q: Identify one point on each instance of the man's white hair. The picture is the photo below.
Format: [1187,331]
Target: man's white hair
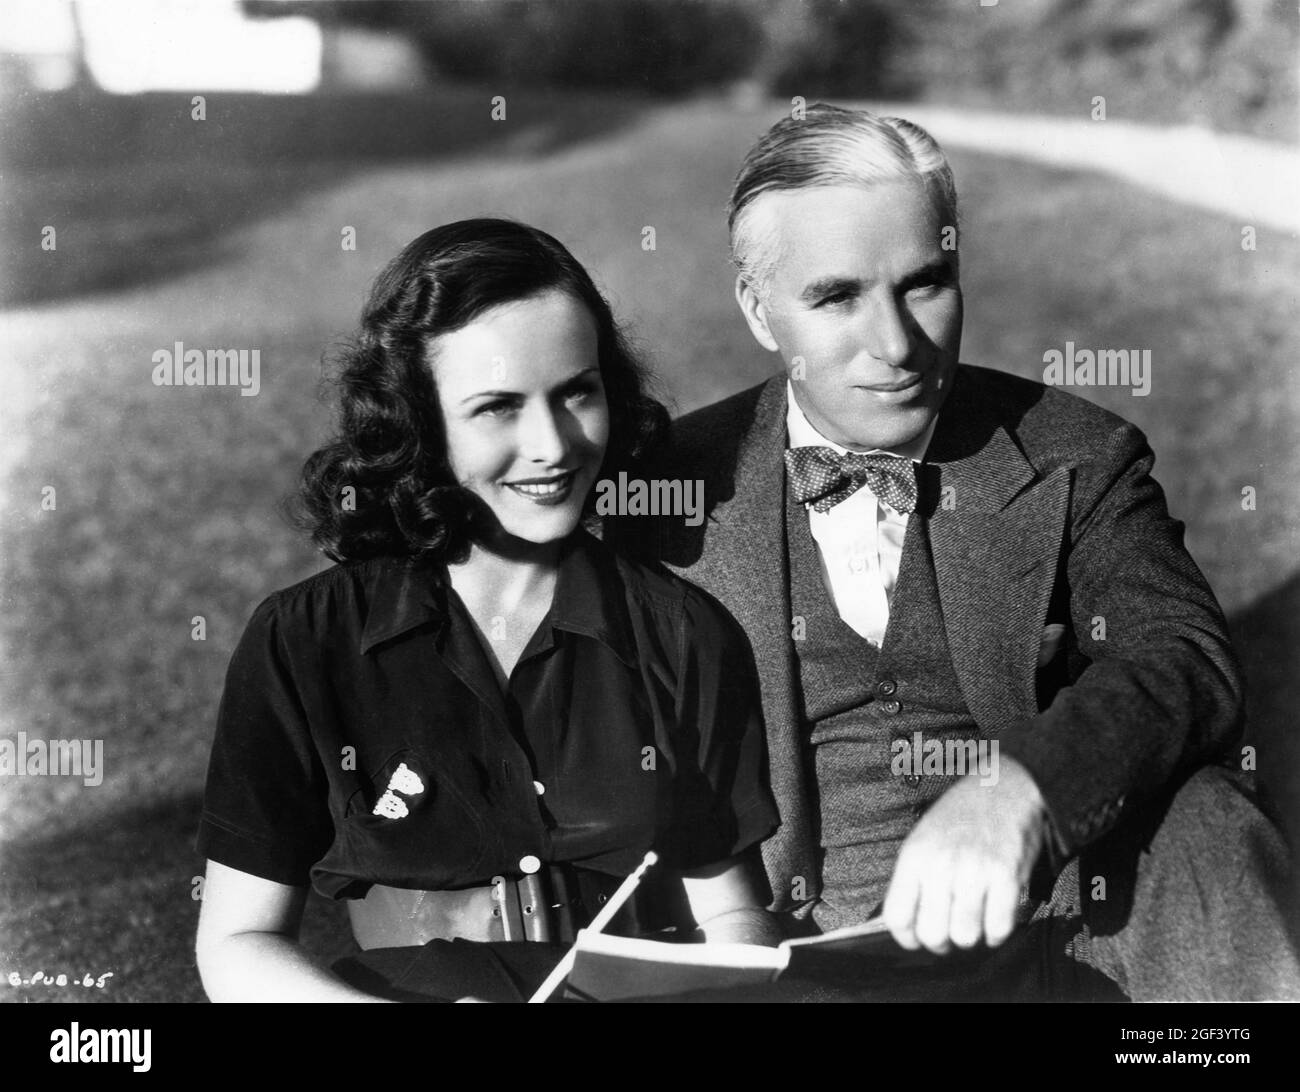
[828,146]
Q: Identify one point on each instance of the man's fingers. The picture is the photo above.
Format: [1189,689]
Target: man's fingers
[899,910]
[1000,911]
[934,911]
[966,922]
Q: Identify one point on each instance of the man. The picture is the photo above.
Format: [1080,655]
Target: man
[935,561]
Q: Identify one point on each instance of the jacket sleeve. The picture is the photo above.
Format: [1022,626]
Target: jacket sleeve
[1155,686]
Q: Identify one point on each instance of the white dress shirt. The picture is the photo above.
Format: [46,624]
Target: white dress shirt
[860,540]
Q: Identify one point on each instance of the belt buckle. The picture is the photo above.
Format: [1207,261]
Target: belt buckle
[535,902]
[505,894]
[537,907]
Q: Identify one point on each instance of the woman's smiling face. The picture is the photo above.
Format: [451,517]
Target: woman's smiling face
[524,408]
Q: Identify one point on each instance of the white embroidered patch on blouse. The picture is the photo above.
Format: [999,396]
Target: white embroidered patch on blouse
[404,780]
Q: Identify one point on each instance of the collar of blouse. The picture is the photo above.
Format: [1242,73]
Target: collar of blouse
[403,595]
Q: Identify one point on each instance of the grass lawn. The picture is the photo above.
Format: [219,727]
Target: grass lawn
[165,498]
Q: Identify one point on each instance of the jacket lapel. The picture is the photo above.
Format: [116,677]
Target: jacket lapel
[746,553]
[746,566]
[996,531]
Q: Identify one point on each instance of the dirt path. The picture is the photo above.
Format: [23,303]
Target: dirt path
[1252,180]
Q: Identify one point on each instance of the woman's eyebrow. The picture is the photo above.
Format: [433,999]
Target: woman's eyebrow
[576,377]
[489,394]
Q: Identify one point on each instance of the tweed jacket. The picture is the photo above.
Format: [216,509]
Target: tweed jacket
[1084,637]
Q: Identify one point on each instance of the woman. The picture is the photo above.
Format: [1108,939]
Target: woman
[481,718]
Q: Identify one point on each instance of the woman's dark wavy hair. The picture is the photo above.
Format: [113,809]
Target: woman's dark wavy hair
[391,446]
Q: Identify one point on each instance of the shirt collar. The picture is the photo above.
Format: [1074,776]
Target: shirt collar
[589,596]
[401,594]
[802,433]
[404,594]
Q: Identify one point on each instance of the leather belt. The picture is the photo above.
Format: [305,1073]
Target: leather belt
[549,905]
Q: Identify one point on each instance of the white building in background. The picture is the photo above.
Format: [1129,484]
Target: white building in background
[130,46]
[38,45]
[133,46]
[178,45]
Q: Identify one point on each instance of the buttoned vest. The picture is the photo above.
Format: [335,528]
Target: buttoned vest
[869,717]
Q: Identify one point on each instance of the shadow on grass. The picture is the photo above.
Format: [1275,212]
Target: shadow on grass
[119,895]
[1267,637]
[137,190]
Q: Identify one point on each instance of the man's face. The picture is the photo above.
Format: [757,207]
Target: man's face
[864,306]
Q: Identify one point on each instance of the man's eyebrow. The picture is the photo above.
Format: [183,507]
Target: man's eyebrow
[826,286]
[939,271]
[564,384]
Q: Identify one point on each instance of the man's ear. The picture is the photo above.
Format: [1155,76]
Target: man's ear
[755,312]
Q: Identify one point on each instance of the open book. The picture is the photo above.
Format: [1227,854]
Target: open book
[610,968]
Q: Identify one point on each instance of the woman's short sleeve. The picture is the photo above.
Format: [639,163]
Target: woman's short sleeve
[265,808]
[722,803]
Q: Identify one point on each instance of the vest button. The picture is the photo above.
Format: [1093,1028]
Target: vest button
[891,706]
[886,687]
[912,779]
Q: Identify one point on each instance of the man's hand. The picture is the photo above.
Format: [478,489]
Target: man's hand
[959,874]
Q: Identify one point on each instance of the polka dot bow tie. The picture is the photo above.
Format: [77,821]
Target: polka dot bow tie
[823,477]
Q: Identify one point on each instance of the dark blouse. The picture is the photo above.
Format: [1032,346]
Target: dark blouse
[363,737]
